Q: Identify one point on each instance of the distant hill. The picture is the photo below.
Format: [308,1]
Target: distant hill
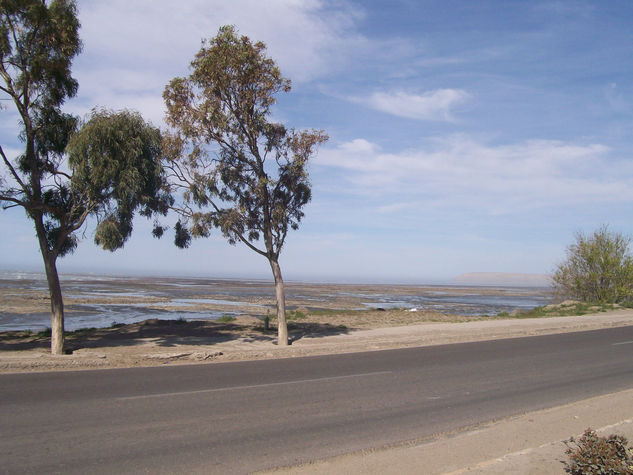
[504,279]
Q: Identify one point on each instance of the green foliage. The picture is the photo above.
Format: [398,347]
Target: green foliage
[37,45]
[182,236]
[295,315]
[593,455]
[598,268]
[239,172]
[226,319]
[567,309]
[115,160]
[46,333]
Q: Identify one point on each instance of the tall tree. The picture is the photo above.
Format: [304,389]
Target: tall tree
[238,170]
[107,167]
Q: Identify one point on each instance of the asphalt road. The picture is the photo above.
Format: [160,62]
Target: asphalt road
[241,417]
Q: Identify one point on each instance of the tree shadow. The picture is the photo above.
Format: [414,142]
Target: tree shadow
[169,333]
[16,341]
[299,330]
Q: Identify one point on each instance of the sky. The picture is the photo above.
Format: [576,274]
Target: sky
[464,136]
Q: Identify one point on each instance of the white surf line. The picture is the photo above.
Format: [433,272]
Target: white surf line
[236,388]
[622,343]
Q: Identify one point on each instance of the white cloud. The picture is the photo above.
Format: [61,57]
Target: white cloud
[301,35]
[358,146]
[133,49]
[395,207]
[463,173]
[432,105]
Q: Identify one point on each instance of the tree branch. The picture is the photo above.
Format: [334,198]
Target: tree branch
[15,201]
[239,235]
[14,173]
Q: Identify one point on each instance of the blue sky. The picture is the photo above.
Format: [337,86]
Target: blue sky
[464,136]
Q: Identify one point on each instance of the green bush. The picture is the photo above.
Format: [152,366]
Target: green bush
[226,319]
[598,268]
[593,455]
[295,315]
[565,310]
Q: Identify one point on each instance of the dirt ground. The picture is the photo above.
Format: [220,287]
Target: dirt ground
[158,342]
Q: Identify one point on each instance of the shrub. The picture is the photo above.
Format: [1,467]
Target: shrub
[226,319]
[295,315]
[593,455]
[598,268]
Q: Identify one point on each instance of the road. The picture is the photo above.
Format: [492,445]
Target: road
[240,417]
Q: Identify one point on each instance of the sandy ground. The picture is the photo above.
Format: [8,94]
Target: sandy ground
[159,342]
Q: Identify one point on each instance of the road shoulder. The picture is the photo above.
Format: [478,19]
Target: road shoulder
[531,443]
[166,349]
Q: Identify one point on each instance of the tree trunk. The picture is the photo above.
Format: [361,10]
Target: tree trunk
[57,307]
[54,289]
[282,326]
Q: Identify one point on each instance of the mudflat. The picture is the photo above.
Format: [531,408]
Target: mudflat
[100,301]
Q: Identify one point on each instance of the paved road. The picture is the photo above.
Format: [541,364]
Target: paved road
[240,417]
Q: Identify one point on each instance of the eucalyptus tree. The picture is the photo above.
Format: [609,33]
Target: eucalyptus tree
[107,167]
[238,170]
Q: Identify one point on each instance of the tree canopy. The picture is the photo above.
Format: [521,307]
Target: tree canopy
[598,268]
[238,170]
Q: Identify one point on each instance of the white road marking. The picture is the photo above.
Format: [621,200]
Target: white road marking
[235,388]
[622,343]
